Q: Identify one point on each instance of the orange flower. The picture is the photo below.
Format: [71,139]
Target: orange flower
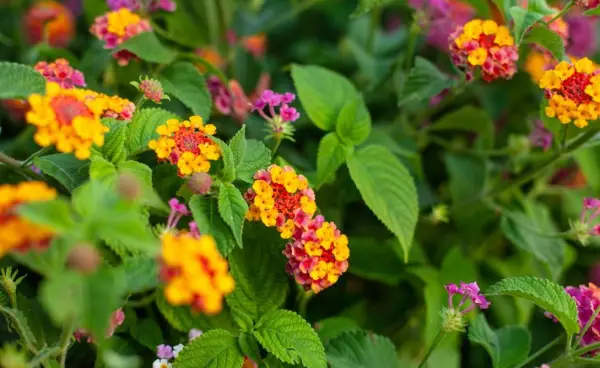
[52,21]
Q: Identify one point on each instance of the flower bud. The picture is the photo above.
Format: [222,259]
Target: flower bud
[439,214]
[452,320]
[128,186]
[200,183]
[84,258]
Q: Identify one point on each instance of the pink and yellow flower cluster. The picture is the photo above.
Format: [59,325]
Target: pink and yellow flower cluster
[61,72]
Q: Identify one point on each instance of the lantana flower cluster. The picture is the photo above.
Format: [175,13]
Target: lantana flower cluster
[61,72]
[116,27]
[318,252]
[484,46]
[278,122]
[452,316]
[50,21]
[18,234]
[573,92]
[186,144]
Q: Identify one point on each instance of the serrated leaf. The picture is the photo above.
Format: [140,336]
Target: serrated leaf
[206,215]
[148,48]
[544,293]
[424,81]
[353,124]
[249,346]
[143,128]
[114,149]
[141,273]
[360,349]
[333,327]
[228,171]
[20,81]
[323,93]
[331,155]
[183,319]
[388,190]
[291,339]
[508,346]
[365,6]
[233,208]
[19,323]
[183,81]
[214,349]
[543,36]
[257,156]
[65,168]
[523,21]
[238,146]
[148,333]
[55,214]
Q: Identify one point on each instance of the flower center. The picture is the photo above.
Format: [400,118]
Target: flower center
[285,202]
[66,108]
[574,88]
[188,140]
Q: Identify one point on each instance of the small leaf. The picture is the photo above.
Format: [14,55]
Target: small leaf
[183,81]
[214,349]
[65,168]
[544,293]
[228,172]
[291,339]
[543,36]
[388,190]
[353,124]
[365,6]
[143,128]
[331,155]
[238,146]
[147,333]
[20,81]
[233,208]
[55,214]
[206,215]
[523,21]
[183,319]
[592,12]
[148,48]
[361,349]
[257,156]
[424,81]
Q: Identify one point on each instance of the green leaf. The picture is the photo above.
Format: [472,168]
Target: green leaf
[55,214]
[20,81]
[470,119]
[543,36]
[323,93]
[592,12]
[183,319]
[388,190]
[147,333]
[148,48]
[257,156]
[361,349]
[541,7]
[143,173]
[114,141]
[228,172]
[333,327]
[141,273]
[238,146]
[206,215]
[587,160]
[523,21]
[365,6]
[424,81]
[260,280]
[508,346]
[66,169]
[249,346]
[214,349]
[101,169]
[19,323]
[467,176]
[233,208]
[376,260]
[353,124]
[143,128]
[183,81]
[291,339]
[330,156]
[544,293]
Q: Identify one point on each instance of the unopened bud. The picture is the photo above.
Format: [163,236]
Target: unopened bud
[440,214]
[128,186]
[200,183]
[581,232]
[452,320]
[84,258]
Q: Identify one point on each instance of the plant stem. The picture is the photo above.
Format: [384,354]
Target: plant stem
[143,301]
[438,338]
[6,159]
[586,349]
[303,298]
[587,326]
[563,140]
[36,154]
[278,141]
[544,349]
[65,341]
[411,44]
[562,12]
[44,355]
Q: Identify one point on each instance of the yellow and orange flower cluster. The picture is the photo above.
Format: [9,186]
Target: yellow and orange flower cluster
[484,45]
[573,92]
[186,144]
[68,119]
[17,233]
[195,272]
[113,106]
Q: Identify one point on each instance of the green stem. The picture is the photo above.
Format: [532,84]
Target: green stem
[585,349]
[411,44]
[43,356]
[303,298]
[21,330]
[587,326]
[36,154]
[562,12]
[148,299]
[65,341]
[438,338]
[538,353]
[563,140]
[278,141]
[9,161]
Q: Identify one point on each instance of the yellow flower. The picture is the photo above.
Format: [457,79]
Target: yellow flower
[478,56]
[120,19]
[489,27]
[473,29]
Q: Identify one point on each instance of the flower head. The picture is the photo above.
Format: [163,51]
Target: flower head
[51,21]
[117,26]
[540,136]
[152,89]
[278,122]
[318,255]
[61,72]
[186,144]
[194,271]
[164,351]
[470,292]
[68,119]
[584,227]
[486,46]
[279,197]
[573,92]
[18,234]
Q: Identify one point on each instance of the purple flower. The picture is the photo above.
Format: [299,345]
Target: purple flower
[582,35]
[591,203]
[194,333]
[288,114]
[164,351]
[118,4]
[166,5]
[470,292]
[540,136]
[178,210]
[288,98]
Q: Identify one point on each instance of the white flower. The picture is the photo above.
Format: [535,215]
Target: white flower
[176,350]
[161,363]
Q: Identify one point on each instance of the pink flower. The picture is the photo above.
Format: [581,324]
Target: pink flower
[61,72]
[470,292]
[116,320]
[582,32]
[178,210]
[152,90]
[164,351]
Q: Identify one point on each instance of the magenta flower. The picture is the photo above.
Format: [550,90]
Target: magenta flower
[61,72]
[268,105]
[469,292]
[178,210]
[164,351]
[133,5]
[582,32]
[540,136]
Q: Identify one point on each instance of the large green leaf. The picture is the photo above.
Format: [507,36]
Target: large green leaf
[388,190]
[206,215]
[544,293]
[331,155]
[424,81]
[291,339]
[360,349]
[214,349]
[183,81]
[228,172]
[183,319]
[20,81]
[233,208]
[330,328]
[237,144]
[114,141]
[353,124]
[323,93]
[543,36]
[65,168]
[257,156]
[143,128]
[147,47]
